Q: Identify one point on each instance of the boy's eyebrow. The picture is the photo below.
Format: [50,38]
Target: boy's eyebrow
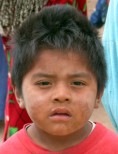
[81,74]
[42,75]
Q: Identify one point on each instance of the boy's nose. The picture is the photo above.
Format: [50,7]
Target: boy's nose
[62,94]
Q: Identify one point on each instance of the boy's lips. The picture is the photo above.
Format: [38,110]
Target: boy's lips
[60,114]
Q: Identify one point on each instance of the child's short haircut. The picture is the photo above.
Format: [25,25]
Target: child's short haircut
[57,27]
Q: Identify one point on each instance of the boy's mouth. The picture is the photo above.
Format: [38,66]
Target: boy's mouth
[60,114]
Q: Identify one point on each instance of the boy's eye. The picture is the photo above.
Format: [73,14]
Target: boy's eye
[44,83]
[77,83]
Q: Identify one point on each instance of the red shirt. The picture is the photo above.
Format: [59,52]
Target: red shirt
[100,141]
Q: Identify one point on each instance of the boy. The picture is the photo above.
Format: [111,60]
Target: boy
[58,75]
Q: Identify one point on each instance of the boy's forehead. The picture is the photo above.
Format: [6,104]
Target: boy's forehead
[60,64]
[65,53]
[57,56]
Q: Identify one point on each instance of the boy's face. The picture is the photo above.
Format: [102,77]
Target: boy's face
[59,92]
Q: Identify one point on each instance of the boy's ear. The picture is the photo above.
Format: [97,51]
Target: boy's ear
[98,99]
[19,97]
[97,103]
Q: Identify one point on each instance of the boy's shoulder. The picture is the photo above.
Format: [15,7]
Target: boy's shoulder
[104,132]
[106,140]
[19,143]
[13,144]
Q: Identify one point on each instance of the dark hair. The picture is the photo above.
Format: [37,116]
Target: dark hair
[57,27]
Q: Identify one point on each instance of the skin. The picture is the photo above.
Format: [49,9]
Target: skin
[59,82]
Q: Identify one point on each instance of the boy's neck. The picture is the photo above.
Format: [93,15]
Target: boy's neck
[58,143]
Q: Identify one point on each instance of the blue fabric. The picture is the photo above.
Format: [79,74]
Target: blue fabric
[110,43]
[3,80]
[98,17]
